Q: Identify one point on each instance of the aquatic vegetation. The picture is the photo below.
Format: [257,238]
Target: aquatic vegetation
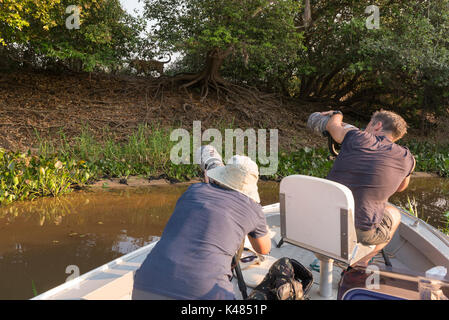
[431,157]
[33,288]
[25,176]
[306,161]
[58,166]
[412,207]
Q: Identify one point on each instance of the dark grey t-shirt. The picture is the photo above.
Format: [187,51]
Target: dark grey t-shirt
[373,168]
[193,258]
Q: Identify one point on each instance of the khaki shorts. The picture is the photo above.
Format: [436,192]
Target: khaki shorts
[378,235]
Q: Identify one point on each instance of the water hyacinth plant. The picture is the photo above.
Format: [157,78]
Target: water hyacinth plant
[60,164]
[431,157]
[306,161]
[25,176]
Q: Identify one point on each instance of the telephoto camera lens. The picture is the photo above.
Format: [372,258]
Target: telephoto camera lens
[208,157]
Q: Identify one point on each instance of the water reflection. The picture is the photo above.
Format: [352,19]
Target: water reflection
[39,239]
[431,196]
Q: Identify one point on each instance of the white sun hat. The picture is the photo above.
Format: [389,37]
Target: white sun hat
[240,173]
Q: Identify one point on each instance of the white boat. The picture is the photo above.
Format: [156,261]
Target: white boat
[315,218]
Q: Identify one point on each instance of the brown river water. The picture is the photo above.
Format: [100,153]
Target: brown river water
[40,239]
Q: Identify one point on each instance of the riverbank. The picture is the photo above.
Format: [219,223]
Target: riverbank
[38,106]
[136,182]
[139,182]
[61,133]
[56,169]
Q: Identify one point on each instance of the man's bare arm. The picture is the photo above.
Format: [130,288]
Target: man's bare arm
[406,181]
[262,244]
[404,184]
[336,128]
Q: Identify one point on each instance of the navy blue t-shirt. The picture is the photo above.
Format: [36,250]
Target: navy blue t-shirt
[192,260]
[373,168]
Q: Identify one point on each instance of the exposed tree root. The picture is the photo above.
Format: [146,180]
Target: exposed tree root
[249,101]
[246,99]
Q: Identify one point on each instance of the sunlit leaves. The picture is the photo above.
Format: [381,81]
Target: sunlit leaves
[256,28]
[106,35]
[23,176]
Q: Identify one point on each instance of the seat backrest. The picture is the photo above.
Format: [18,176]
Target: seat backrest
[318,215]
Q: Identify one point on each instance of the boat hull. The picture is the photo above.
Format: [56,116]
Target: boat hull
[415,248]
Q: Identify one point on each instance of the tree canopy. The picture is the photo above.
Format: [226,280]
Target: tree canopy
[217,30]
[37,30]
[402,65]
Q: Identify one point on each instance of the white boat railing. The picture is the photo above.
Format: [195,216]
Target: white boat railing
[440,235]
[110,265]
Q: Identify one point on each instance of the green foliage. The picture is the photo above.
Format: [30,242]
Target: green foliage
[59,166]
[147,153]
[431,157]
[445,220]
[262,33]
[411,53]
[333,55]
[403,66]
[106,36]
[306,161]
[16,16]
[412,207]
[23,176]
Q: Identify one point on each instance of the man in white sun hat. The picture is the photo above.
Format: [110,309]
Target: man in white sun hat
[192,260]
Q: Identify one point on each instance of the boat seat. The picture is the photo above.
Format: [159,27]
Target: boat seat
[318,215]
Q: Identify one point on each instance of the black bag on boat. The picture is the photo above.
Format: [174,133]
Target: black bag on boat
[287,279]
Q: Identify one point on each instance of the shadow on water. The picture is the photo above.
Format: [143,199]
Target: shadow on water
[40,239]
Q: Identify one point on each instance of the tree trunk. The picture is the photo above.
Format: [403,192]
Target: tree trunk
[325,83]
[348,87]
[210,75]
[307,17]
[241,97]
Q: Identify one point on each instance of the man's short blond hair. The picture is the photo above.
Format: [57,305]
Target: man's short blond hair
[391,122]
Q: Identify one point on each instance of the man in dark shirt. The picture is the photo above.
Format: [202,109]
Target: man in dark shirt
[373,167]
[192,260]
